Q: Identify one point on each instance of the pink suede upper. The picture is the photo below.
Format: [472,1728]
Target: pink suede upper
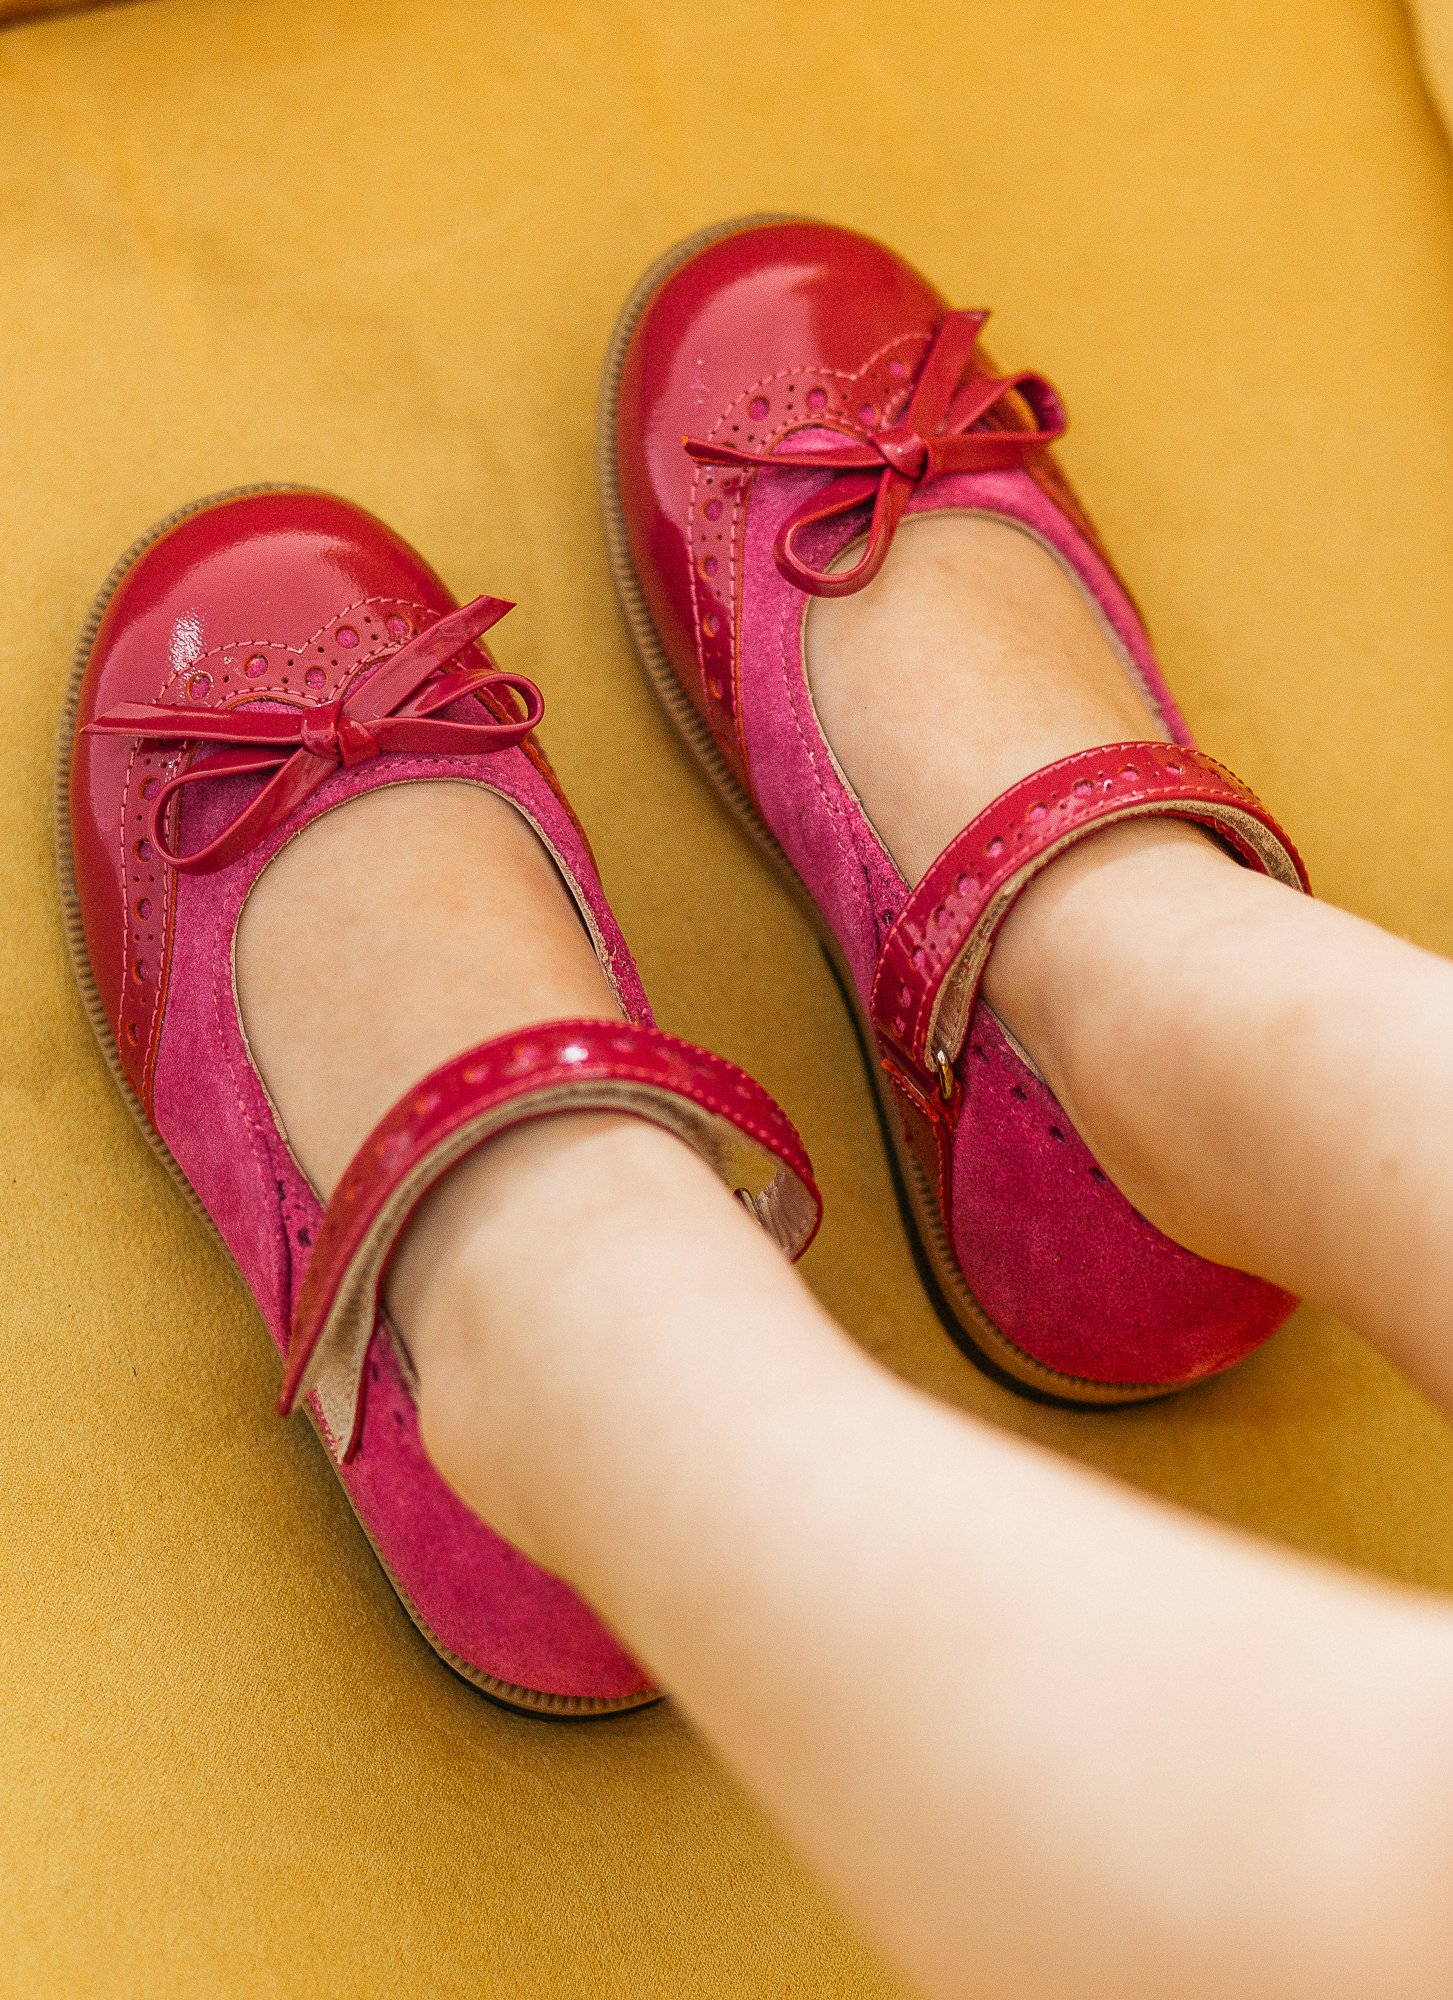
[478,1596]
[1056,1256]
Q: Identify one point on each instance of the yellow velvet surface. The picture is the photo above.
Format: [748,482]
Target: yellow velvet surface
[15,10]
[380,248]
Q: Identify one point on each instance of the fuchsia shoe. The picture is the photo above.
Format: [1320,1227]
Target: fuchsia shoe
[775,393]
[253,662]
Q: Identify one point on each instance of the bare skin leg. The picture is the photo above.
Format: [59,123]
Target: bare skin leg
[1040,1734]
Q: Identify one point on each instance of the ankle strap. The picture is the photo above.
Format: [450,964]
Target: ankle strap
[933,958]
[557,1066]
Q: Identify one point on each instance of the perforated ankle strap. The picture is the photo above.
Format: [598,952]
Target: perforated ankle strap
[933,959]
[558,1066]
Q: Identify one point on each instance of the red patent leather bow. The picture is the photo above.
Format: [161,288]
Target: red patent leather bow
[934,435]
[391,709]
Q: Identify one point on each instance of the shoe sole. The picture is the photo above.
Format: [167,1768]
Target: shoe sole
[524,1701]
[963,1318]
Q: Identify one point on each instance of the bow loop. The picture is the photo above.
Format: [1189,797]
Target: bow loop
[395,707]
[943,428]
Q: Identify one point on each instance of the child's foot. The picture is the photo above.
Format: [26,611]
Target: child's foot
[973,659]
[411,923]
[375,913]
[863,502]
[391,933]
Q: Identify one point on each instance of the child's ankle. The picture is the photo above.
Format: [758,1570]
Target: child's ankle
[1062,971]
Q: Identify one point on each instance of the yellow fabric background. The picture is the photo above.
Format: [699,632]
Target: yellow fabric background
[380,248]
[14,10]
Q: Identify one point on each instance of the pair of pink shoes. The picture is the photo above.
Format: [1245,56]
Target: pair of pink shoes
[775,394]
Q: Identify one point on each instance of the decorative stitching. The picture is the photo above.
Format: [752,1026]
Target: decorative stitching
[789,636]
[1165,789]
[891,401]
[262,692]
[775,1132]
[222,976]
[158,883]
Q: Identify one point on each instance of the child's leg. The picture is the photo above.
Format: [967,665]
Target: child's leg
[1041,1735]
